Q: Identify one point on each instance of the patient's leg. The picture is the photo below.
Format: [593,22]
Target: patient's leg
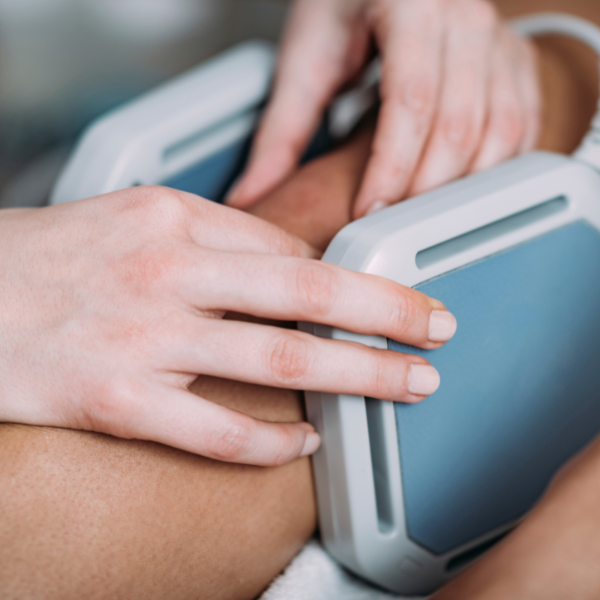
[85,515]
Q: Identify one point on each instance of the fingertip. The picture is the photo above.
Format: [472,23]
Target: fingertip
[364,208]
[234,194]
[376,207]
[311,444]
[442,326]
[423,380]
[239,196]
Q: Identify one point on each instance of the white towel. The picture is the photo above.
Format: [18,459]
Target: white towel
[314,575]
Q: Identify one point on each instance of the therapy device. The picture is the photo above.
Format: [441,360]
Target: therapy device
[410,494]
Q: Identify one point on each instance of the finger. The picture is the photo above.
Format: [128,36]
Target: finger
[472,28]
[325,45]
[505,128]
[301,290]
[182,420]
[219,227]
[196,219]
[527,70]
[410,36]
[292,359]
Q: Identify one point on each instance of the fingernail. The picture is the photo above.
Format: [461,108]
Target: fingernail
[423,380]
[312,442]
[442,326]
[376,206]
[234,191]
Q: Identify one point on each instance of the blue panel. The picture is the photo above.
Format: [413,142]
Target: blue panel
[212,177]
[520,389]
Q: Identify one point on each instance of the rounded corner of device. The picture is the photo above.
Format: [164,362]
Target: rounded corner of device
[263,49]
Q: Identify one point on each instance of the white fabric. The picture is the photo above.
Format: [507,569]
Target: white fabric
[314,575]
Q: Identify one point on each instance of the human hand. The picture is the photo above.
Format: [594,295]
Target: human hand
[112,306]
[459,93]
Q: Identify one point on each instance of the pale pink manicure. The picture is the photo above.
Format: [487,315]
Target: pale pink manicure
[312,442]
[442,326]
[423,380]
[376,206]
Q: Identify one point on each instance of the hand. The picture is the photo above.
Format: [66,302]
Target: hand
[459,93]
[112,306]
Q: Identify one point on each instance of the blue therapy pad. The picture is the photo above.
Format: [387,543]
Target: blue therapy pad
[520,387]
[212,177]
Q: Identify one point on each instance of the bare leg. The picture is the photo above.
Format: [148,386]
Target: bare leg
[85,515]
[554,554]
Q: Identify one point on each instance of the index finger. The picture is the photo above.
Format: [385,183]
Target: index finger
[410,36]
[222,228]
[293,289]
[322,48]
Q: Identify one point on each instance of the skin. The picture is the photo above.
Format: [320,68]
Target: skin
[102,517]
[112,306]
[458,93]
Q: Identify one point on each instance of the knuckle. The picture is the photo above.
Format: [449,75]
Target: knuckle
[157,205]
[418,94]
[379,377]
[288,358]
[404,314]
[482,14]
[231,442]
[314,288]
[284,244]
[510,127]
[394,168]
[386,379]
[459,131]
[288,447]
[112,409]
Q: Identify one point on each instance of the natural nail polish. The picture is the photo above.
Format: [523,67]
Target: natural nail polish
[423,380]
[312,442]
[376,206]
[442,326]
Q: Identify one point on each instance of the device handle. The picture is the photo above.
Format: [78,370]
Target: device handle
[172,127]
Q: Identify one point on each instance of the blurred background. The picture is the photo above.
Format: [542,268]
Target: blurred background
[65,62]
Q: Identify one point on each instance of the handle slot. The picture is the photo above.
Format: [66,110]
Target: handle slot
[434,254]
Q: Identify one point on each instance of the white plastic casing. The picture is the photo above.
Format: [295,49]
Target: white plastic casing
[386,244]
[171,128]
